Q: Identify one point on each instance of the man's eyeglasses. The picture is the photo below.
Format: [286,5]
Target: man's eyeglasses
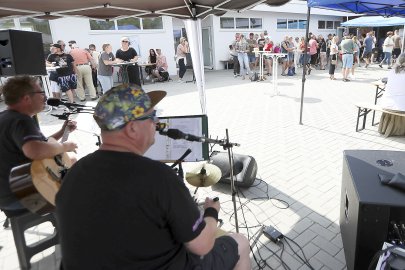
[125,41]
[151,116]
[38,92]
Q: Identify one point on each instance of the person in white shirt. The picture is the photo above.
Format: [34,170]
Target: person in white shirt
[388,46]
[394,99]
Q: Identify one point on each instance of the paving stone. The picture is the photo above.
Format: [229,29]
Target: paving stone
[328,260]
[326,245]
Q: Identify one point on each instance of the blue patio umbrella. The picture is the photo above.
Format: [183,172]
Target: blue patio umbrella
[385,8]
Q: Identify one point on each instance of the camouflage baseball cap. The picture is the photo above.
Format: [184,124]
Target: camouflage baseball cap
[124,103]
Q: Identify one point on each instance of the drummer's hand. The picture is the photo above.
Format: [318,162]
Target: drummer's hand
[71,125]
[211,203]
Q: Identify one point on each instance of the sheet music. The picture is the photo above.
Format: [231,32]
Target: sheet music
[166,148]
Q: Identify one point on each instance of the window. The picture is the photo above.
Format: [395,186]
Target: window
[131,23]
[227,23]
[102,25]
[328,24]
[321,24]
[39,25]
[152,23]
[7,24]
[337,24]
[281,23]
[255,23]
[292,24]
[242,23]
[302,24]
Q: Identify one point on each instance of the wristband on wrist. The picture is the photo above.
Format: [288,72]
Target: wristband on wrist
[211,212]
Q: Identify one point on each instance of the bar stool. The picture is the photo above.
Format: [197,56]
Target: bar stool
[20,221]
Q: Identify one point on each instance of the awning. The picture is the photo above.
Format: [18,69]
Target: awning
[386,8]
[374,21]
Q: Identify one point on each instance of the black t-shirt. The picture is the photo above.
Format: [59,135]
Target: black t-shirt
[15,130]
[126,55]
[65,63]
[118,210]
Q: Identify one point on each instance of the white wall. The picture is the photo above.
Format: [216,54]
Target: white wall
[78,29]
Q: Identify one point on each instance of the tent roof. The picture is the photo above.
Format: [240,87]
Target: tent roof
[384,8]
[374,21]
[116,9]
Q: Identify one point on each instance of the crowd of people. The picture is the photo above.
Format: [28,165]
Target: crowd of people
[322,53]
[78,69]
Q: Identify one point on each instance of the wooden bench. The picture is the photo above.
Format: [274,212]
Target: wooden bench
[365,108]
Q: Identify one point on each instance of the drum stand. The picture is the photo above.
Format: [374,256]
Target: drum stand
[228,146]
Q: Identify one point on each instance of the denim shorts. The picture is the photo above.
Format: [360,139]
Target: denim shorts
[252,58]
[347,60]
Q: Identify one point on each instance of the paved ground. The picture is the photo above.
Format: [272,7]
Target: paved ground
[297,189]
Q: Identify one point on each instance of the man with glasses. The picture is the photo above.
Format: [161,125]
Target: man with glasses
[21,140]
[118,209]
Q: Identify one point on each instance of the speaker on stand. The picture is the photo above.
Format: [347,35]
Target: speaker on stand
[21,53]
[245,168]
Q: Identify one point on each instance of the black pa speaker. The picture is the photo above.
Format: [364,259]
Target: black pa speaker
[21,53]
[244,168]
[367,206]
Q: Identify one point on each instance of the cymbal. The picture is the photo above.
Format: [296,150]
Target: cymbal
[204,175]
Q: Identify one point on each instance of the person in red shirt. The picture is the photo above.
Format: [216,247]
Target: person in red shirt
[268,47]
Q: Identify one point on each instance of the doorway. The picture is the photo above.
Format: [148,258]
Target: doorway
[207,47]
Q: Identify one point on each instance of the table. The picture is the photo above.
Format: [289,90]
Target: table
[124,68]
[275,57]
[380,88]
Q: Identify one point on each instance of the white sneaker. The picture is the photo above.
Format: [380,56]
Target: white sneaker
[180,81]
[147,77]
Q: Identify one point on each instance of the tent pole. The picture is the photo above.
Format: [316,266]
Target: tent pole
[403,40]
[304,72]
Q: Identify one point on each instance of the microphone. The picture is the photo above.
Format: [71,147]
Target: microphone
[56,102]
[177,135]
[160,126]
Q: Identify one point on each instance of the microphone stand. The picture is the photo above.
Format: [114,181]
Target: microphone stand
[228,146]
[179,161]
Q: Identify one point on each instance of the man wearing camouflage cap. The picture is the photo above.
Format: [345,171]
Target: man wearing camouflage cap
[117,209]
